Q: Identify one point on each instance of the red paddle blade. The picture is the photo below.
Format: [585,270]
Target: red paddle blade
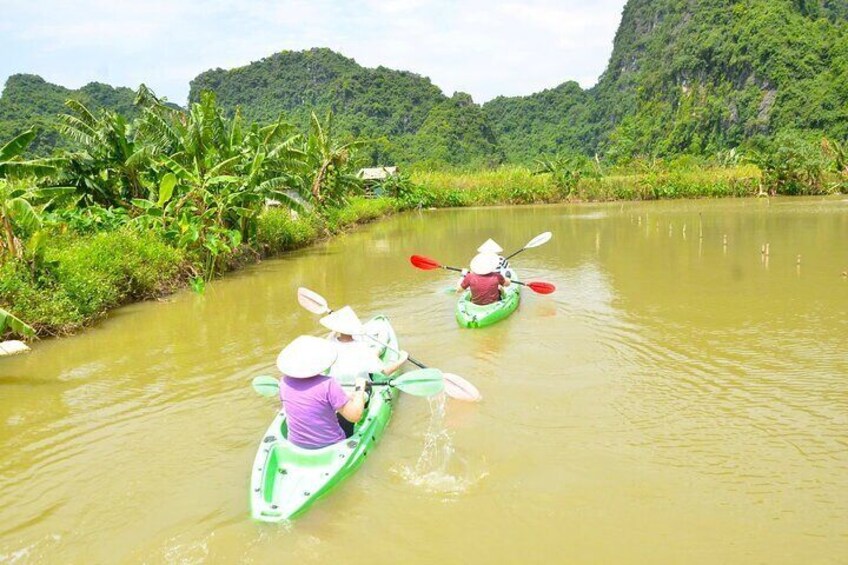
[424,263]
[541,287]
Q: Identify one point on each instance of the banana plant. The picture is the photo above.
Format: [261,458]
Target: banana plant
[17,213]
[838,154]
[330,164]
[109,167]
[12,165]
[21,209]
[9,321]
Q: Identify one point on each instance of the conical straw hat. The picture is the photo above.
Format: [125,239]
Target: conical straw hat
[306,357]
[484,263]
[344,321]
[490,247]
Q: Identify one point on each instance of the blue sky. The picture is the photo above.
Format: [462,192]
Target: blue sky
[481,47]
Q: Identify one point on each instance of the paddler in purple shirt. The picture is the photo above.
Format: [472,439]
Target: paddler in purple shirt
[312,401]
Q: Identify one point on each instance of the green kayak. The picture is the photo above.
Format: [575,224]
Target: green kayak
[287,479]
[470,315]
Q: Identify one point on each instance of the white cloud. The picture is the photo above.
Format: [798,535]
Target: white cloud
[484,48]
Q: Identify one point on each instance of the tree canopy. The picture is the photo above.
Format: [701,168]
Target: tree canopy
[684,78]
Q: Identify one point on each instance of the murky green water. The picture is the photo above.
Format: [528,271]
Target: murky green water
[677,400]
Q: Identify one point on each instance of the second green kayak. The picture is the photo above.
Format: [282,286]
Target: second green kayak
[470,315]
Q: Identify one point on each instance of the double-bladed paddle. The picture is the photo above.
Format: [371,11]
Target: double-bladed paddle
[427,264]
[421,382]
[454,385]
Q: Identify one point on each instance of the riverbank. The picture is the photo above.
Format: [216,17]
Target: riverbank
[78,278]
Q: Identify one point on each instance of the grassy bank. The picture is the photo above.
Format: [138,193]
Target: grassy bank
[518,185]
[81,276]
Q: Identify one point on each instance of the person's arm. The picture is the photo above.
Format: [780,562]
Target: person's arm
[352,410]
[504,281]
[463,282]
[392,366]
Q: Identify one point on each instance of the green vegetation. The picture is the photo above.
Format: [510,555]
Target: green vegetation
[403,116]
[683,78]
[521,185]
[143,206]
[29,102]
[694,78]
[109,195]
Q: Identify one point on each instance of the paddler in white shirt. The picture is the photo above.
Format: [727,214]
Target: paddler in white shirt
[356,359]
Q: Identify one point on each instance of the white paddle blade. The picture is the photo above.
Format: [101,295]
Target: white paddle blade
[312,301]
[540,239]
[458,388]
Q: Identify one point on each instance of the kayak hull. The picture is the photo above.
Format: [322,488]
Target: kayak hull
[286,479]
[470,315]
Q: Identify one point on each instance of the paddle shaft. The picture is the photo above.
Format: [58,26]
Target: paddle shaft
[316,304]
[514,254]
[409,358]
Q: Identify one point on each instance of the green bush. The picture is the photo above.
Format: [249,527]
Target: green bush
[106,269]
[279,230]
[360,210]
[83,276]
[792,163]
[39,302]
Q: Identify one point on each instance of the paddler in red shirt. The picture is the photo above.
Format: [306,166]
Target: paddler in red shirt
[484,280]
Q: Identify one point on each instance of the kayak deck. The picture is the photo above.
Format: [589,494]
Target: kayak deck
[470,315]
[287,479]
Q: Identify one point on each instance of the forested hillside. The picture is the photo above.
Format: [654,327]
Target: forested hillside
[29,100]
[407,117]
[684,77]
[546,123]
[695,77]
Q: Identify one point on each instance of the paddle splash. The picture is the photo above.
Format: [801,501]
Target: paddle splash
[439,469]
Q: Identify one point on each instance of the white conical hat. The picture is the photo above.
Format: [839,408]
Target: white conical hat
[306,357]
[484,263]
[490,247]
[344,321]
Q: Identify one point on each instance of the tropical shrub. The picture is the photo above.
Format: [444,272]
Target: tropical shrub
[791,163]
[280,229]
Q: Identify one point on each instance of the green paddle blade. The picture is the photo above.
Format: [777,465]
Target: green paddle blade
[423,382]
[266,385]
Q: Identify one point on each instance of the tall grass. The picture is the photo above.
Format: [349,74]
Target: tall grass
[81,277]
[517,185]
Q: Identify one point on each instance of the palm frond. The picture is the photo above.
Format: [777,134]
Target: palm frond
[23,213]
[224,165]
[21,169]
[181,172]
[156,129]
